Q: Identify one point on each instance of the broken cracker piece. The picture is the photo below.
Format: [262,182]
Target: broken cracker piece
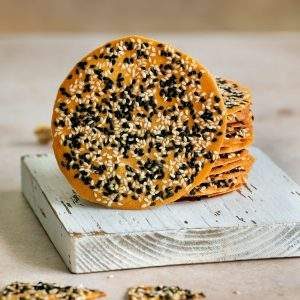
[43,134]
[46,291]
[163,293]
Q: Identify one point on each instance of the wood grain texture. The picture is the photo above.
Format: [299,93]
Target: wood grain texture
[260,221]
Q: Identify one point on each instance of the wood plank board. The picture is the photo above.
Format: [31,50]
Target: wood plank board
[262,220]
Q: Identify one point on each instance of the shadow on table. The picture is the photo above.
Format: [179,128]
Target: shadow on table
[23,237]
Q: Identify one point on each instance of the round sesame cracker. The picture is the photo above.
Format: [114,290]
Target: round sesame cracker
[225,177]
[238,136]
[237,147]
[229,187]
[236,96]
[218,188]
[238,102]
[245,162]
[137,123]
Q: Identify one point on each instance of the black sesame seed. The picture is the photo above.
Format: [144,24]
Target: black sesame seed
[207,115]
[82,65]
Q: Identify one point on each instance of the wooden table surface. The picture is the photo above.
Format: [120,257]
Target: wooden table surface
[31,68]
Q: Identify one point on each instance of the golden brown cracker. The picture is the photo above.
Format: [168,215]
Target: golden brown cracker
[163,293]
[236,96]
[126,124]
[46,291]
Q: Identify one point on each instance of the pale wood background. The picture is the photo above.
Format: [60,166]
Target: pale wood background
[142,15]
[31,68]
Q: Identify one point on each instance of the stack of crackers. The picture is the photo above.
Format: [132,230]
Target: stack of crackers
[137,123]
[231,169]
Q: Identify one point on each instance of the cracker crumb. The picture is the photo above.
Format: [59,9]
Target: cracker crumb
[43,134]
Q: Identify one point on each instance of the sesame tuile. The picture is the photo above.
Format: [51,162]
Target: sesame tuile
[232,94]
[163,293]
[214,183]
[41,290]
[130,115]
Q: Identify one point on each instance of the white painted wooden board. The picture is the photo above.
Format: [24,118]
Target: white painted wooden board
[262,220]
